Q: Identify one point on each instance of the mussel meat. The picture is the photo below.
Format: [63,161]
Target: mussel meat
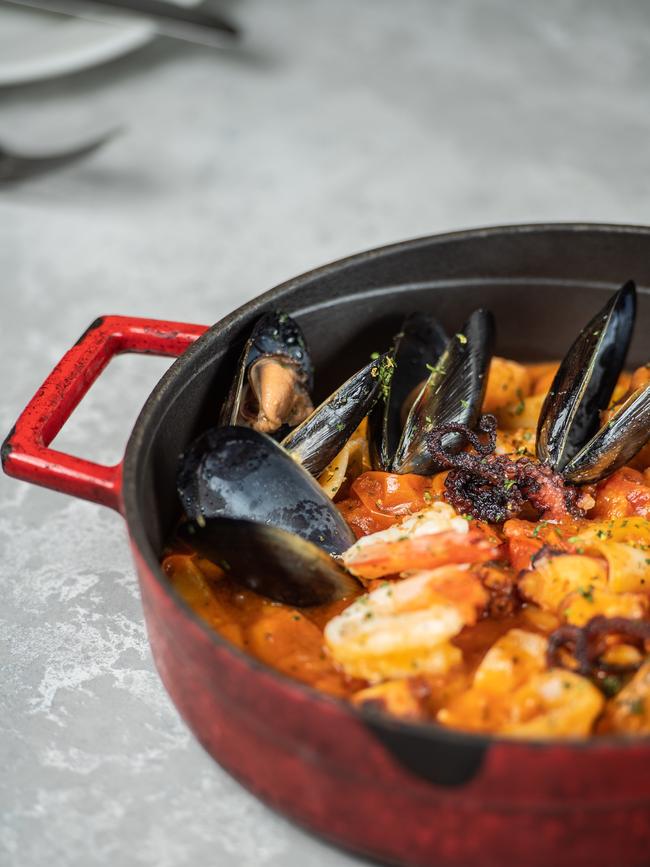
[274,378]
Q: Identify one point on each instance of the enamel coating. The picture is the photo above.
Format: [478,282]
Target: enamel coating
[25,452]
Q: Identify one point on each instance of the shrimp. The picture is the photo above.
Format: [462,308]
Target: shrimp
[430,538]
[403,627]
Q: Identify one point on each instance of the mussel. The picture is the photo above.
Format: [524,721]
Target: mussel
[277,564]
[416,349]
[237,472]
[271,393]
[451,394]
[263,518]
[274,378]
[322,435]
[570,439]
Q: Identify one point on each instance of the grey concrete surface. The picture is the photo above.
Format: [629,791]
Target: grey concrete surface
[339,126]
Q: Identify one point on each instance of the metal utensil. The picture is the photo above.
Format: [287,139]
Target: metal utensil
[191,24]
[15,166]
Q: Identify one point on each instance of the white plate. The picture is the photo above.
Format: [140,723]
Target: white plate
[36,45]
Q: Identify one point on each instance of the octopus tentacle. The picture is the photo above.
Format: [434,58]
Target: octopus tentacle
[492,487]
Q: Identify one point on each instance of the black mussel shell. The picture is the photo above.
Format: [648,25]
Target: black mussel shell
[236,472]
[616,443]
[453,394]
[421,341]
[270,561]
[322,435]
[275,335]
[584,384]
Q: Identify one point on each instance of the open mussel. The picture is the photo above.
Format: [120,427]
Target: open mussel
[322,435]
[452,394]
[271,561]
[617,442]
[237,472]
[274,377]
[570,439]
[415,350]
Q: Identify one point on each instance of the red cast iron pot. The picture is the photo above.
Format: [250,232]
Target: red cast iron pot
[403,793]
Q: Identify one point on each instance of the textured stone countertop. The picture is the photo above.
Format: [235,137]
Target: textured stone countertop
[339,126]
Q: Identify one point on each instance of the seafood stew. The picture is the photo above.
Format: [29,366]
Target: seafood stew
[451,537]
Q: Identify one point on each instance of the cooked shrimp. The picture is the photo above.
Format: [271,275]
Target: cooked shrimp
[403,627]
[428,539]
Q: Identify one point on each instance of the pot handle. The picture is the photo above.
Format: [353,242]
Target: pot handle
[25,452]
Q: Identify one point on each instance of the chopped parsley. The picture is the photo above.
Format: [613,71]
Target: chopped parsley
[519,408]
[636,706]
[610,685]
[587,594]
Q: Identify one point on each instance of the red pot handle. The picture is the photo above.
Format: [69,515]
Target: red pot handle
[25,452]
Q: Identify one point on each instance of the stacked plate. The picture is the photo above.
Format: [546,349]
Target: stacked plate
[35,44]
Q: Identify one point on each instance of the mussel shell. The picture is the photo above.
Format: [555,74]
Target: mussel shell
[453,394]
[274,334]
[421,341]
[236,472]
[277,564]
[585,381]
[616,443]
[322,435]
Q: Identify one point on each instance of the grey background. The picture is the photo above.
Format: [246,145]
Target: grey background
[340,126]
